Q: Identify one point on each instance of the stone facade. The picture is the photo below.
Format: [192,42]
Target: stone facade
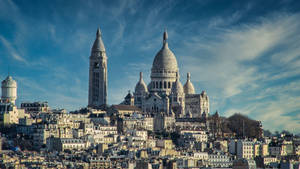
[165,92]
[98,74]
[9,90]
[197,104]
[10,114]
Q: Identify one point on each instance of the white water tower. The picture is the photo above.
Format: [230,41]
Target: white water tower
[9,90]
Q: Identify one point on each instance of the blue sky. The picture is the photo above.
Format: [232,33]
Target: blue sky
[245,54]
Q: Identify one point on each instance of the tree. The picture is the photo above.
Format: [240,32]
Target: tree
[244,126]
[286,132]
[268,133]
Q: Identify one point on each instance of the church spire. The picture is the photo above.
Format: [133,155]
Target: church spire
[98,45]
[141,76]
[165,38]
[98,32]
[188,76]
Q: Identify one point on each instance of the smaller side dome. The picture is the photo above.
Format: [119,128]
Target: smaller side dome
[188,86]
[177,87]
[141,87]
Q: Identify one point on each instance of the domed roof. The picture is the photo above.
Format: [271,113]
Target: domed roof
[188,86]
[177,86]
[98,44]
[141,86]
[165,58]
[9,82]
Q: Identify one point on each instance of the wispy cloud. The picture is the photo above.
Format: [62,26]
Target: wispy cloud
[246,59]
[11,50]
[274,112]
[238,62]
[60,93]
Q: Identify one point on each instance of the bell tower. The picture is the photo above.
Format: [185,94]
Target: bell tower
[98,74]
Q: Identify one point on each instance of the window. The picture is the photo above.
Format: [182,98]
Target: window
[165,85]
[160,84]
[96,65]
[95,86]
[169,85]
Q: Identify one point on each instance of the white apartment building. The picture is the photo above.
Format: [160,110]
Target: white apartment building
[199,136]
[61,144]
[219,160]
[244,149]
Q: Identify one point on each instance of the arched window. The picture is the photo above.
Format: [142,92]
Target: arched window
[156,85]
[165,85]
[160,84]
[169,85]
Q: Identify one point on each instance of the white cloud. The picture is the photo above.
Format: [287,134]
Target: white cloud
[11,50]
[274,112]
[234,63]
[118,39]
[229,53]
[58,93]
[8,9]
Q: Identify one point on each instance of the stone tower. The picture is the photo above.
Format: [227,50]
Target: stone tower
[98,74]
[9,90]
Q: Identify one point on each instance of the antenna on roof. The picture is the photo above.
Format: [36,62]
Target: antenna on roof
[8,69]
[243,129]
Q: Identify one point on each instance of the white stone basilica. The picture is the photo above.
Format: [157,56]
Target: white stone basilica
[165,92]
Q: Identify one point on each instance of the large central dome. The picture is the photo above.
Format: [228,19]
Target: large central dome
[164,70]
[165,58]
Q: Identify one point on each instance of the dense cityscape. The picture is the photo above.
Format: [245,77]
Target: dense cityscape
[163,124]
